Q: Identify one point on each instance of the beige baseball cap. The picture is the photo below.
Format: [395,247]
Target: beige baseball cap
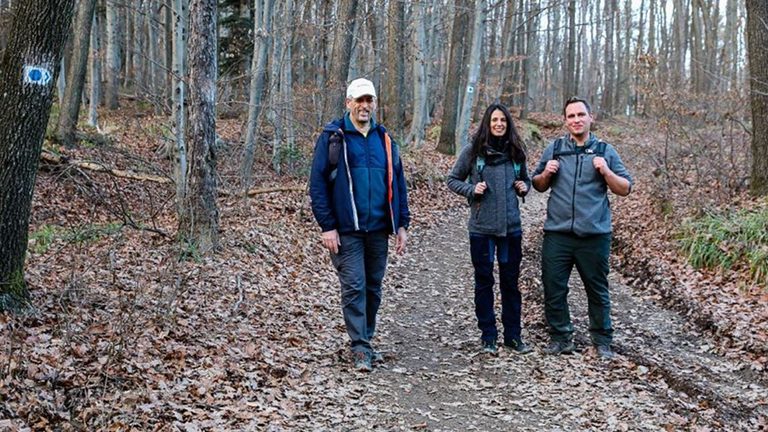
[360,87]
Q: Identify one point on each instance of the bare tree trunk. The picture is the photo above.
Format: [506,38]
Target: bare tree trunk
[199,223]
[757,34]
[276,59]
[416,136]
[61,81]
[680,23]
[393,107]
[594,73]
[730,61]
[35,46]
[280,93]
[462,133]
[606,105]
[179,150]
[70,107]
[531,54]
[262,31]
[569,71]
[113,55]
[697,47]
[511,37]
[95,80]
[138,44]
[153,53]
[131,15]
[451,103]
[635,96]
[168,44]
[342,53]
[652,28]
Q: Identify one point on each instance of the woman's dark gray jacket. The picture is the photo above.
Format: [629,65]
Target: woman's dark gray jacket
[497,211]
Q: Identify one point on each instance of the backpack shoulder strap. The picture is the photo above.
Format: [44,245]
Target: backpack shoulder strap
[558,151]
[479,163]
[600,148]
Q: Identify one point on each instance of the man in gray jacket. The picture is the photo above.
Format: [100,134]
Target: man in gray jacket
[579,169]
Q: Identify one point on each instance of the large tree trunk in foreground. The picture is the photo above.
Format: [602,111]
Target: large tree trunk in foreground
[757,34]
[27,78]
[199,221]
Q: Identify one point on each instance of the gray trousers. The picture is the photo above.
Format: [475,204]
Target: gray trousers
[360,264]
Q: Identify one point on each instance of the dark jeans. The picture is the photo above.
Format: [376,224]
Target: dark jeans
[510,254]
[360,264]
[559,253]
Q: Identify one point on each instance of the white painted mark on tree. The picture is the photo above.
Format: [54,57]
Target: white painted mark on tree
[37,75]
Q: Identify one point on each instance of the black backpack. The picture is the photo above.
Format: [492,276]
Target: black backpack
[334,149]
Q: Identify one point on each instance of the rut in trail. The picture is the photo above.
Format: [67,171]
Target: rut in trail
[434,377]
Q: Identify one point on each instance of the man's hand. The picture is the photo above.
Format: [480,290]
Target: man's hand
[542,181]
[601,166]
[520,186]
[552,167]
[480,188]
[331,241]
[617,185]
[402,238]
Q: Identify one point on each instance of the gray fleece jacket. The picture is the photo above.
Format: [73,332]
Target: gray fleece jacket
[578,197]
[495,212]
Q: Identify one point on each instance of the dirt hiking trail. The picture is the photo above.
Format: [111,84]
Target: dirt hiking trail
[665,376]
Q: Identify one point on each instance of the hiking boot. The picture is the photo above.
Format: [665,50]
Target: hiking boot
[605,352]
[559,347]
[519,346]
[489,347]
[377,357]
[362,361]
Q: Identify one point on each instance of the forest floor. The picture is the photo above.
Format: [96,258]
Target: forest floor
[130,332]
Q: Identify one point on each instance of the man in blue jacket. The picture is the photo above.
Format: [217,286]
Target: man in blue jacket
[359,197]
[579,169]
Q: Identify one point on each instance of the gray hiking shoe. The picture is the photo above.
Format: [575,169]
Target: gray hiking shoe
[518,346]
[489,347]
[362,361]
[605,352]
[560,347]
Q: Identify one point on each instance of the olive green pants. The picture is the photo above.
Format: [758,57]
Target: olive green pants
[560,252]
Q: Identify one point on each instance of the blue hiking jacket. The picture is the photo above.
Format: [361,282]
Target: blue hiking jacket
[368,192]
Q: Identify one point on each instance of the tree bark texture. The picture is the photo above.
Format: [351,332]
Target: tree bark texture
[606,105]
[95,80]
[416,135]
[394,79]
[262,31]
[70,107]
[113,55]
[757,40]
[199,224]
[451,103]
[569,71]
[180,156]
[34,51]
[462,132]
